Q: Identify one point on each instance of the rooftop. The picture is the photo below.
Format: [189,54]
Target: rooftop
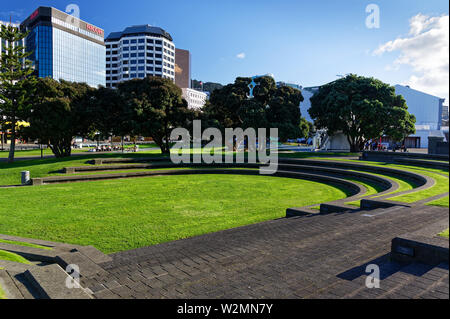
[140,29]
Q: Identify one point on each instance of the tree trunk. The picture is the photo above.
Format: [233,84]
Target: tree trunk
[12,147]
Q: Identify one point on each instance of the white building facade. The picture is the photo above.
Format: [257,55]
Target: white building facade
[138,52]
[428,110]
[195,99]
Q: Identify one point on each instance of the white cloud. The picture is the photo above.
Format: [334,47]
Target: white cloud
[241,55]
[426,50]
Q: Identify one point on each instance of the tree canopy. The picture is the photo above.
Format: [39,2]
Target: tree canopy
[59,114]
[271,107]
[15,71]
[362,109]
[158,108]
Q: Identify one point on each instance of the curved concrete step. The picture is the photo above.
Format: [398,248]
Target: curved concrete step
[51,281]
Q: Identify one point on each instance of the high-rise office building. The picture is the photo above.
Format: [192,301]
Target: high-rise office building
[137,52]
[183,68]
[64,47]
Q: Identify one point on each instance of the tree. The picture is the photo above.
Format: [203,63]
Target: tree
[306,128]
[271,107]
[158,108]
[284,112]
[110,115]
[15,71]
[362,109]
[59,114]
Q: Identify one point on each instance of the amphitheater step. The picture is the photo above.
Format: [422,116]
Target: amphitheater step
[94,254]
[51,282]
[87,267]
[51,244]
[8,286]
[30,253]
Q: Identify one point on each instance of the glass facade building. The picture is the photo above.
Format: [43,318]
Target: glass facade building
[65,48]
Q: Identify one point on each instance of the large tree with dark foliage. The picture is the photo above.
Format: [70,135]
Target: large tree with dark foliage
[110,115]
[15,71]
[158,108]
[363,109]
[59,114]
[271,107]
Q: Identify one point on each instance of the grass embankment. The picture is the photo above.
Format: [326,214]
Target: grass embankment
[7,256]
[440,176]
[442,202]
[124,214]
[444,234]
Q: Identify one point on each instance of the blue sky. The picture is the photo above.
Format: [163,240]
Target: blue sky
[306,42]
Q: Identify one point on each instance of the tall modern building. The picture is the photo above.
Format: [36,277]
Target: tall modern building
[183,68]
[137,52]
[64,47]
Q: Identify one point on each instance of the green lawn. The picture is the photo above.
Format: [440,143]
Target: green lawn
[7,256]
[442,202]
[444,234]
[124,214]
[47,152]
[440,187]
[440,176]
[10,173]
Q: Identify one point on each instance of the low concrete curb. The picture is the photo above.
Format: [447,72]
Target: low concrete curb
[370,204]
[423,246]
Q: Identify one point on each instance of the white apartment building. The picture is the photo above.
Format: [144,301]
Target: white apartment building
[138,52]
[195,99]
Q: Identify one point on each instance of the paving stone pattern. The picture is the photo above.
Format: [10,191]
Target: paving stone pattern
[321,256]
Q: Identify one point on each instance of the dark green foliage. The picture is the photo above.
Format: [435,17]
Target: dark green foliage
[59,114]
[158,108]
[271,107]
[15,70]
[363,109]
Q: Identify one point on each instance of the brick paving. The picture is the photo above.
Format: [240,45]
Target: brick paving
[323,256]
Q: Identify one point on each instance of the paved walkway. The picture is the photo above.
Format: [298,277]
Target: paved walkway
[323,256]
